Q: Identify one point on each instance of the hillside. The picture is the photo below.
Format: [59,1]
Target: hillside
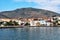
[27,13]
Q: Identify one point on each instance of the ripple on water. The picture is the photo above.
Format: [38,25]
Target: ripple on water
[31,33]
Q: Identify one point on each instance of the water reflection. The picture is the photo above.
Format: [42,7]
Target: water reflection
[30,33]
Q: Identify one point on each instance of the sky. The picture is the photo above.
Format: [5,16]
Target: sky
[51,5]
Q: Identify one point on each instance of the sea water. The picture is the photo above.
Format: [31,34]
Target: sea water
[30,33]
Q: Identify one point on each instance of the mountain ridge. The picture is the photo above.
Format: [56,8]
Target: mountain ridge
[28,13]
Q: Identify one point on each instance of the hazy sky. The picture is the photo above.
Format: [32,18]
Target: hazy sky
[52,5]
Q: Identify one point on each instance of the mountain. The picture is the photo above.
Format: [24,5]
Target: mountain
[3,16]
[28,13]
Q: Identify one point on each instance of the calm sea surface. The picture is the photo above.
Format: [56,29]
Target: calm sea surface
[31,33]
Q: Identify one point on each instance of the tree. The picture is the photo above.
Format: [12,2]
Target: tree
[10,23]
[1,23]
[15,23]
[27,24]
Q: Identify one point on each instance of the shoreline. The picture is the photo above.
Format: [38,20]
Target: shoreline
[24,26]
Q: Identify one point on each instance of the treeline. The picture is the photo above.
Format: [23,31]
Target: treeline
[10,23]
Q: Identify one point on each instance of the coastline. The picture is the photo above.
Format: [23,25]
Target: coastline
[24,26]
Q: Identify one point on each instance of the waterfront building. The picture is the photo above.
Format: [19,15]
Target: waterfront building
[56,20]
[37,22]
[34,23]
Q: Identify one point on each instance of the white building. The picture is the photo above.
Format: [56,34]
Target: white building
[40,22]
[33,23]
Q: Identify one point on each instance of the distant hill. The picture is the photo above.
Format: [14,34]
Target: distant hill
[27,13]
[3,16]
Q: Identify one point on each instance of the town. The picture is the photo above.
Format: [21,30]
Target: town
[33,22]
